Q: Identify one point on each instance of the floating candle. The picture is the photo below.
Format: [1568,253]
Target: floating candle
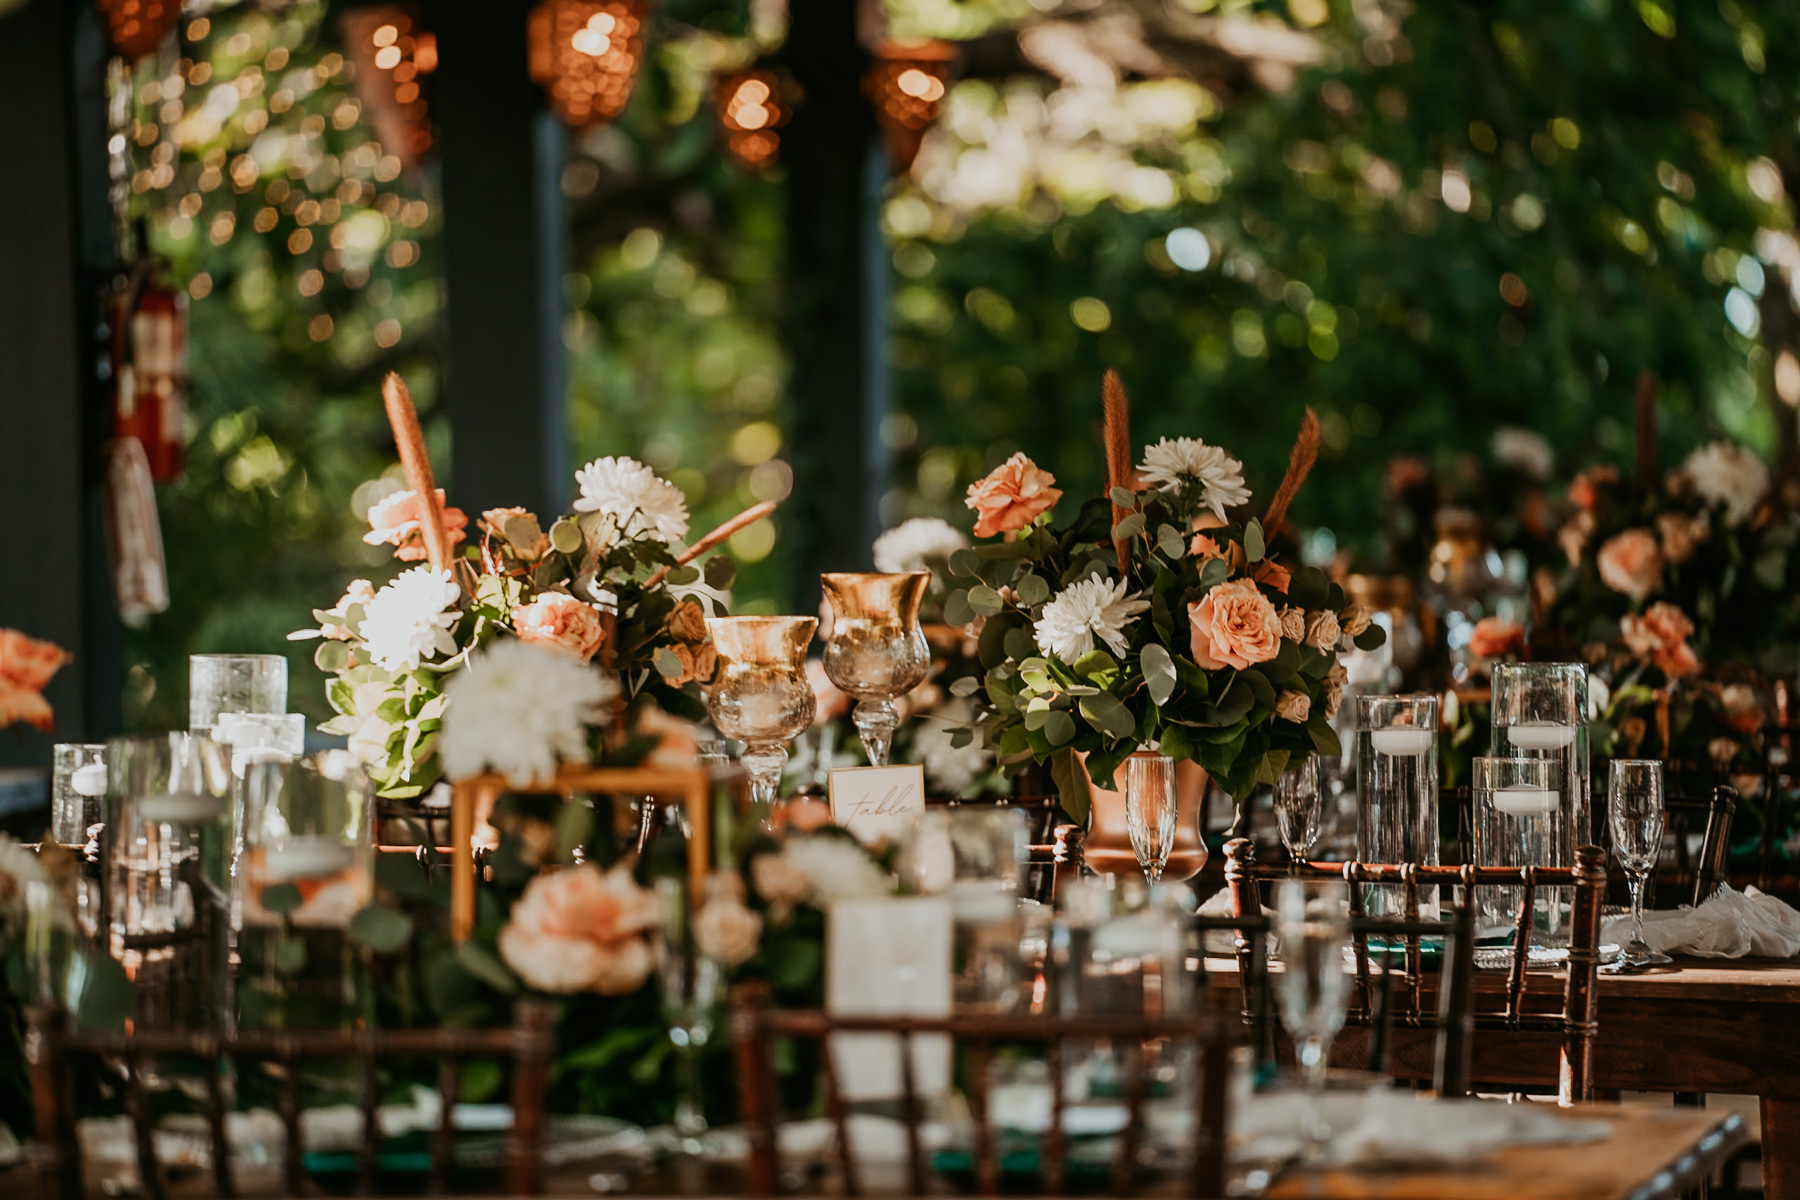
[1525,801]
[307,858]
[179,808]
[89,780]
[1541,735]
[1400,741]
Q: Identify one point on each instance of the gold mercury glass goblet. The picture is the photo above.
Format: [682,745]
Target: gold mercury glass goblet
[761,696]
[876,651]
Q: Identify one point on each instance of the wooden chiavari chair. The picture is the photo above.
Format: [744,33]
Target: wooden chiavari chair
[50,1046]
[1457,1018]
[756,1028]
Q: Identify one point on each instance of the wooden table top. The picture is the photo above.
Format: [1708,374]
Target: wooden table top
[1653,1153]
[1756,980]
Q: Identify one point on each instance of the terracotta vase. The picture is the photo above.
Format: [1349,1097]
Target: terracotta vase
[1107,849]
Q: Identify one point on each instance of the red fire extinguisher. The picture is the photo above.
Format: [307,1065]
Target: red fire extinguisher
[149,353]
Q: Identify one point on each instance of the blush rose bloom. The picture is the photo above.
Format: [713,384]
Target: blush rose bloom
[398,522]
[1011,496]
[580,930]
[1270,573]
[560,621]
[728,931]
[1293,706]
[1496,637]
[1631,563]
[1234,625]
[779,880]
[1661,635]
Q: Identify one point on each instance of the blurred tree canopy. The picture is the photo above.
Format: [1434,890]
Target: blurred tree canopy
[1425,224]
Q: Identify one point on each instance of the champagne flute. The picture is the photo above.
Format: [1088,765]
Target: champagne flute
[1299,808]
[691,984]
[1635,805]
[1311,987]
[1150,810]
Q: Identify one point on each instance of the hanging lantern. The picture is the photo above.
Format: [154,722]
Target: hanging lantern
[149,370]
[750,111]
[392,55]
[907,84]
[137,27]
[586,54]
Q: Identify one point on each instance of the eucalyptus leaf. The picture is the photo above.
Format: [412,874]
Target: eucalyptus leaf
[968,685]
[721,571]
[1105,713]
[1033,589]
[281,898]
[667,664]
[957,610]
[332,656]
[565,536]
[1130,527]
[1059,728]
[480,962]
[290,956]
[1072,787]
[381,928]
[1124,497]
[1213,573]
[1159,673]
[1095,662]
[1020,645]
[985,600]
[1170,541]
[959,738]
[965,562]
[1253,540]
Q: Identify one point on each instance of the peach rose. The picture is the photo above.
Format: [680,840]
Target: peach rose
[1660,635]
[1293,706]
[779,880]
[1631,564]
[1234,625]
[1496,637]
[697,662]
[1680,535]
[560,621]
[360,591]
[1335,681]
[1204,548]
[398,522]
[1354,619]
[1272,574]
[1011,496]
[1293,624]
[802,814]
[578,929]
[687,622]
[27,662]
[494,521]
[728,931]
[1743,708]
[1322,631]
[832,702]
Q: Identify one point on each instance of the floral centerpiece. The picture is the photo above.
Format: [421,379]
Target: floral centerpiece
[1156,617]
[607,583]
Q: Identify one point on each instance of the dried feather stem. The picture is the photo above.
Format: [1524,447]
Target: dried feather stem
[409,439]
[749,516]
[1118,447]
[1300,465]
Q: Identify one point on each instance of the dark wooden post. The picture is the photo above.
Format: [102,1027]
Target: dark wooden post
[56,248]
[501,152]
[837,280]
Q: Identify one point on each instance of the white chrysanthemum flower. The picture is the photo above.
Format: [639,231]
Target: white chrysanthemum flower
[914,545]
[1728,475]
[639,501]
[1089,608]
[410,619]
[836,869]
[949,768]
[521,710]
[1173,464]
[1525,450]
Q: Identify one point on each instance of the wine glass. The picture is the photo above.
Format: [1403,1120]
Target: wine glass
[691,984]
[1635,805]
[760,696]
[1299,808]
[1150,810]
[876,650]
[1312,986]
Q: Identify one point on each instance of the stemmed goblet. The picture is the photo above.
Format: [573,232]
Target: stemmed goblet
[1299,808]
[1635,806]
[876,650]
[1312,986]
[760,696]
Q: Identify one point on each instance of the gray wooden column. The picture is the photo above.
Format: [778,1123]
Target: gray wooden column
[501,158]
[836,279]
[55,252]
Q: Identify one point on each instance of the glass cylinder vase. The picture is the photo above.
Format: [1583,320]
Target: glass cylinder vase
[1540,710]
[1396,795]
[234,683]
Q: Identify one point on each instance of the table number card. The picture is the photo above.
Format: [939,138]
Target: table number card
[877,804]
[888,955]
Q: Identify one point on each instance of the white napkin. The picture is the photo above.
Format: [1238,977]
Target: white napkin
[1731,924]
[1400,1129]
